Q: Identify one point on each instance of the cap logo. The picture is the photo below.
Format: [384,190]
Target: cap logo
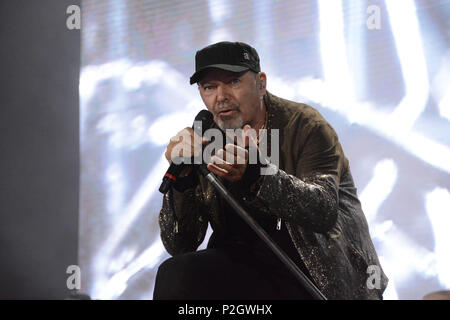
[246,56]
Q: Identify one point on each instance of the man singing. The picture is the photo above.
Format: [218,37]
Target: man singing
[308,205]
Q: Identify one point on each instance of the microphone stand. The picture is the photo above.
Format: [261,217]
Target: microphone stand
[308,284]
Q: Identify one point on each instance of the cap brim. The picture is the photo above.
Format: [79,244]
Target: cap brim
[228,67]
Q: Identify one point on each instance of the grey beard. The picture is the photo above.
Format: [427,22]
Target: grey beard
[231,124]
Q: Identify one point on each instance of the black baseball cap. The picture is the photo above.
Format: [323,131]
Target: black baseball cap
[229,56]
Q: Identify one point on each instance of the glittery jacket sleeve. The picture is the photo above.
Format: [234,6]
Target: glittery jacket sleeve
[182,224]
[308,195]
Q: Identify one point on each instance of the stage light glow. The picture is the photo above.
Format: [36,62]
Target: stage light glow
[407,258]
[406,32]
[438,210]
[168,126]
[117,284]
[219,34]
[123,223]
[390,293]
[135,206]
[133,78]
[334,55]
[218,10]
[444,104]
[88,81]
[379,188]
[278,85]
[116,188]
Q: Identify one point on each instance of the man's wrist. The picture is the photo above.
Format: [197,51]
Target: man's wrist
[187,181]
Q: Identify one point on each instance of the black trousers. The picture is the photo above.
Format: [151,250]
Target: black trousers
[216,274]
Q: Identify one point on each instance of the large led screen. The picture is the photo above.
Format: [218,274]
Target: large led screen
[378,71]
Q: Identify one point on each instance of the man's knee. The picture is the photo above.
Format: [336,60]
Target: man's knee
[174,266]
[176,276]
[165,282]
[166,267]
[170,271]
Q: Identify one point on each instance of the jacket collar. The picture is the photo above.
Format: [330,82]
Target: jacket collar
[278,117]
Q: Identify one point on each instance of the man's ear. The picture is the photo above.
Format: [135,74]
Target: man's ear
[262,83]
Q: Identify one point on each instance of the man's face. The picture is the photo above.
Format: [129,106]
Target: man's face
[234,99]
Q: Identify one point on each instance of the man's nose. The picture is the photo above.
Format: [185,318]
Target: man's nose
[222,93]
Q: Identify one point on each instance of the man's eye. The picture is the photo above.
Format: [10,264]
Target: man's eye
[208,87]
[235,81]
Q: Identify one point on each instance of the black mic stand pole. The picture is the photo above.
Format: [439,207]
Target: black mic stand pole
[308,284]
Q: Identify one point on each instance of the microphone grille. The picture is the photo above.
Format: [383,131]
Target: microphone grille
[206,119]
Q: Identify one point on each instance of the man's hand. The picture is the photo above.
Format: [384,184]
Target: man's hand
[185,144]
[231,162]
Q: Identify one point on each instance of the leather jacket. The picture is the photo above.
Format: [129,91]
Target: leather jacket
[312,191]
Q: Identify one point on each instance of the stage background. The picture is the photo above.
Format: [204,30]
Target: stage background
[385,90]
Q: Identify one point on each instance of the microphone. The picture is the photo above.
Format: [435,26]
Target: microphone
[203,121]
